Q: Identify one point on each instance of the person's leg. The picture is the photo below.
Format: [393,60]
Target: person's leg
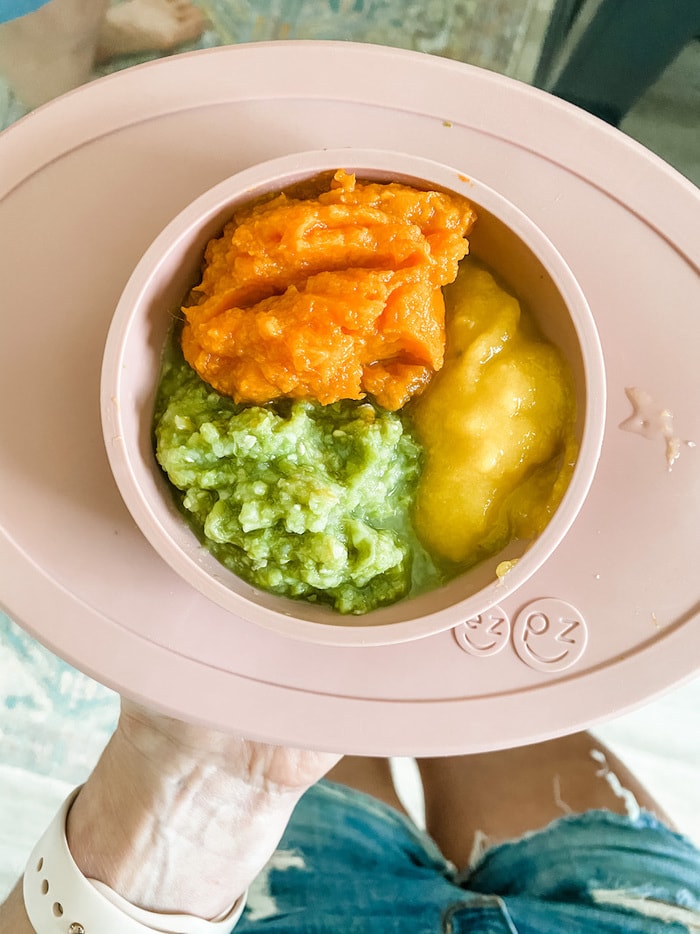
[501,795]
[52,50]
[367,774]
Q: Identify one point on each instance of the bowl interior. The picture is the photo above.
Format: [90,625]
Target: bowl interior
[503,238]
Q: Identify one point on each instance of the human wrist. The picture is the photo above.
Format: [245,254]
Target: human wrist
[58,898]
[173,831]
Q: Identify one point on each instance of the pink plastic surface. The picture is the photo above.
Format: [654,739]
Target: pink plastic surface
[612,618]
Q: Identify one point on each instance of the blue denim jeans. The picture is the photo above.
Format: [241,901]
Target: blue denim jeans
[348,864]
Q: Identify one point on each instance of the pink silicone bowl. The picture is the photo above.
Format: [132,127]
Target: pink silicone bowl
[504,238]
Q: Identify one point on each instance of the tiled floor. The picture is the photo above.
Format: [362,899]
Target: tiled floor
[54,720]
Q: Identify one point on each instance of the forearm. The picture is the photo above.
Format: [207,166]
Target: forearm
[13,917]
[158,863]
[180,838]
[176,819]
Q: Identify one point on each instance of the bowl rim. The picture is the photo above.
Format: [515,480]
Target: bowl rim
[275,174]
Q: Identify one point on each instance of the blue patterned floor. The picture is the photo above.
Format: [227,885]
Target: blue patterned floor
[54,720]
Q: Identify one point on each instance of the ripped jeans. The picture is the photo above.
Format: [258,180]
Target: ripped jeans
[349,864]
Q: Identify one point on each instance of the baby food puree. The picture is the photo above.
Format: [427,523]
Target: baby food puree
[305,500]
[327,437]
[497,426]
[329,297]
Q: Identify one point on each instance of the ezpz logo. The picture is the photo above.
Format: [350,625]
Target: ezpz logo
[548,635]
[485,634]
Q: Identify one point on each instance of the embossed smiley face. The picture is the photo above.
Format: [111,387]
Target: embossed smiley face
[485,634]
[550,635]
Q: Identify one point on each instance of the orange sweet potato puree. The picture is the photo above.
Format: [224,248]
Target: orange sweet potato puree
[329,297]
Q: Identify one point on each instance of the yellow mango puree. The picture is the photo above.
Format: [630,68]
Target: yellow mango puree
[497,426]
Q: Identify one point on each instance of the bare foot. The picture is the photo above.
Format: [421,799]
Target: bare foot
[148,26]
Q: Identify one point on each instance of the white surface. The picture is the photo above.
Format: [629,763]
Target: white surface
[28,803]
[660,743]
